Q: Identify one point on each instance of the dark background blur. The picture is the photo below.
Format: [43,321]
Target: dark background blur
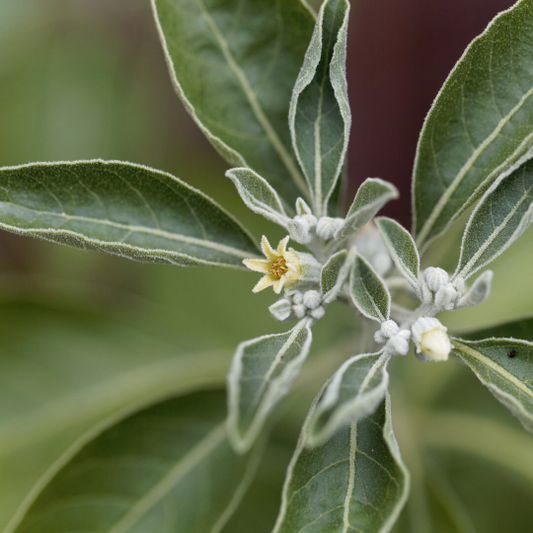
[83,334]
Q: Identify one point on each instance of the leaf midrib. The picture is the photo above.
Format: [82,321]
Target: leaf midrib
[212,440]
[130,228]
[494,367]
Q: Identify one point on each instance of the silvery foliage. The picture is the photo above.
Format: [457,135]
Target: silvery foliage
[364,262]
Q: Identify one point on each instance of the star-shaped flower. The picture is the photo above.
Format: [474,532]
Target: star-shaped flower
[282,267]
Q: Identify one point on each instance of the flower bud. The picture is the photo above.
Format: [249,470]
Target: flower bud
[318,313]
[298,229]
[431,340]
[388,329]
[299,310]
[312,299]
[436,278]
[398,345]
[446,297]
[327,226]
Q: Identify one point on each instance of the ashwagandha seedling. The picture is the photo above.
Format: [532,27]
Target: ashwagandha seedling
[266,83]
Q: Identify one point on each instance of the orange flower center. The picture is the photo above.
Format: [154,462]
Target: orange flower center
[278,267]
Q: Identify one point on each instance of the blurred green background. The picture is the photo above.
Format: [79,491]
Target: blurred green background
[84,335]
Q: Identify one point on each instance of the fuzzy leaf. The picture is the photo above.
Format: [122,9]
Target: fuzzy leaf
[168,468]
[319,115]
[371,196]
[480,124]
[263,369]
[258,195]
[334,274]
[368,291]
[505,367]
[354,482]
[501,217]
[122,209]
[234,64]
[354,392]
[402,249]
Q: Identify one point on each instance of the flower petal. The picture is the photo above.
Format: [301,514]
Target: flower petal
[278,284]
[258,265]
[263,283]
[282,246]
[270,254]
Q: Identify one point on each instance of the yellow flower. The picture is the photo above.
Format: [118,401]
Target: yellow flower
[282,267]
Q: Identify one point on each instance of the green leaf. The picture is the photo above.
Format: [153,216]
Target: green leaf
[371,196]
[259,195]
[505,367]
[168,468]
[368,291]
[335,273]
[479,125]
[354,482]
[263,369]
[234,64]
[122,209]
[402,249]
[354,392]
[501,217]
[521,328]
[65,369]
[319,115]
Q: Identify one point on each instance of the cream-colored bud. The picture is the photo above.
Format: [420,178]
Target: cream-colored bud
[436,278]
[431,340]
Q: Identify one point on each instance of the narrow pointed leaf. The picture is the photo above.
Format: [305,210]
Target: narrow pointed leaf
[319,115]
[234,64]
[259,195]
[354,392]
[402,249]
[521,328]
[263,369]
[168,468]
[371,196]
[480,124]
[122,209]
[368,291]
[334,274]
[354,482]
[501,217]
[505,367]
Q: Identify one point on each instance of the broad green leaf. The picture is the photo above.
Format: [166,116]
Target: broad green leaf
[234,64]
[371,196]
[354,482]
[335,273]
[368,291]
[258,195]
[168,467]
[505,367]
[521,328]
[319,115]
[402,249]
[354,392]
[263,369]
[480,124]
[501,217]
[122,209]
[65,369]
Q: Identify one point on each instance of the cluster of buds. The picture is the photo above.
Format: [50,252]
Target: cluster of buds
[428,334]
[396,339]
[298,304]
[305,226]
[437,288]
